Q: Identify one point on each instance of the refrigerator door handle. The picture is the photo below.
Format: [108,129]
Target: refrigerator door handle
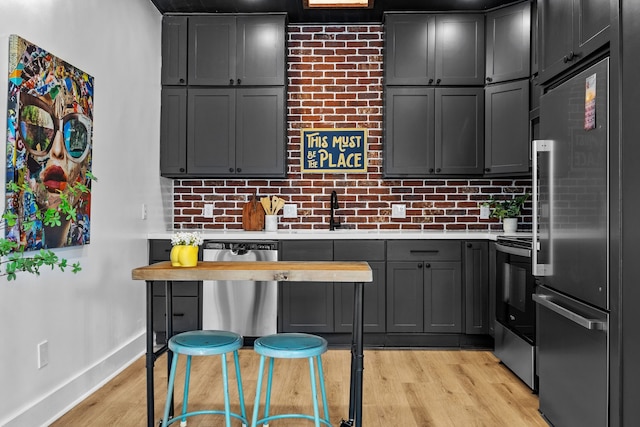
[591,324]
[539,146]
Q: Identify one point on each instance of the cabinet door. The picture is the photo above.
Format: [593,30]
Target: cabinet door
[508,43]
[460,49]
[409,49]
[261,50]
[476,288]
[405,296]
[459,125]
[442,297]
[373,303]
[306,306]
[173,132]
[260,128]
[212,50]
[174,50]
[409,132]
[507,128]
[211,132]
[569,31]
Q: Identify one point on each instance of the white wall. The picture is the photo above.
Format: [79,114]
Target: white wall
[94,321]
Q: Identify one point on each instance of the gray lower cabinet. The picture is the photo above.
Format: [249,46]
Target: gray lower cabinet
[306,306]
[187,298]
[433,131]
[372,251]
[476,287]
[424,286]
[507,125]
[227,132]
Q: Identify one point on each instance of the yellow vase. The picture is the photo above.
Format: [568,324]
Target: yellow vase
[188,256]
[174,255]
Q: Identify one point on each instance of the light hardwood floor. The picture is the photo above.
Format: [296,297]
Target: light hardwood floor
[402,388]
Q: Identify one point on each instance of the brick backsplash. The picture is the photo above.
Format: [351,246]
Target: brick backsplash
[335,81]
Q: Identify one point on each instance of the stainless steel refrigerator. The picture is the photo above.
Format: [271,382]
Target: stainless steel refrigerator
[571,228]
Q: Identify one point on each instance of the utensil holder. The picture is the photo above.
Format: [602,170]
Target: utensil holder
[270,223]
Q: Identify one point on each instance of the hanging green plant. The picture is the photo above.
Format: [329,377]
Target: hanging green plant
[14,259]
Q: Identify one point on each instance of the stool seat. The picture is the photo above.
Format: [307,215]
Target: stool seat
[205,343]
[290,346]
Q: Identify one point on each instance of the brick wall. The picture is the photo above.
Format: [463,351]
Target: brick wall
[335,80]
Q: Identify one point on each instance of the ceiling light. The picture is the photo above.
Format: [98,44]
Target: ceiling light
[329,4]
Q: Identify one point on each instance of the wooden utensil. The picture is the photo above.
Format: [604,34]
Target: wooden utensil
[266,204]
[279,205]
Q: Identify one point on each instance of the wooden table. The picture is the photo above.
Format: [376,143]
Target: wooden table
[282,271]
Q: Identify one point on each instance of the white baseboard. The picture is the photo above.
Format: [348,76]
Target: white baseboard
[52,406]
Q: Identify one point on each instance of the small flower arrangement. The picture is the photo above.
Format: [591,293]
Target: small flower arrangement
[186,239]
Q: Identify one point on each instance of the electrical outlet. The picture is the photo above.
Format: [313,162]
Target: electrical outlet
[290,211]
[143,213]
[43,354]
[484,212]
[398,211]
[208,210]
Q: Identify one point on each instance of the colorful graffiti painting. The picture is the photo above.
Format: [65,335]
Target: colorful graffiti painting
[49,146]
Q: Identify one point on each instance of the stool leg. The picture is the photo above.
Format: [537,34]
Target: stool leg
[225,382]
[185,400]
[243,411]
[314,393]
[256,404]
[267,400]
[322,389]
[172,379]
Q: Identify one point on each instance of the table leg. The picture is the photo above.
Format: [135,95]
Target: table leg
[151,358]
[357,360]
[168,291]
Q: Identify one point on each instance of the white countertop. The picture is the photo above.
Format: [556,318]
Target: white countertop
[340,234]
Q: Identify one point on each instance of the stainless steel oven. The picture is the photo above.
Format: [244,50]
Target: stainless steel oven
[515,309]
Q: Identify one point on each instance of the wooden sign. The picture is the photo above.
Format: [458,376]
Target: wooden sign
[333,150]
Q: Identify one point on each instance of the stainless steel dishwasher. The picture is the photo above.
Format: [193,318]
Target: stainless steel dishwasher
[245,307]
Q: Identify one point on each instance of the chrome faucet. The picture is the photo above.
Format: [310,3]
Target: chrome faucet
[333,224]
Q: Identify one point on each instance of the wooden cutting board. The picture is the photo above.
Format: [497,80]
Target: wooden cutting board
[253,215]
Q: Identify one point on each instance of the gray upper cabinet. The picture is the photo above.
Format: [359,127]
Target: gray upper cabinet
[174,50]
[426,49]
[433,131]
[173,135]
[237,50]
[507,138]
[508,38]
[569,31]
[236,131]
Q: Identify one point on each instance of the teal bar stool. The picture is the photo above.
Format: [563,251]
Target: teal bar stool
[291,346]
[205,343]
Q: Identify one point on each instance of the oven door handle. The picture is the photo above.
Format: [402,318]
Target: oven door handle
[513,251]
[547,302]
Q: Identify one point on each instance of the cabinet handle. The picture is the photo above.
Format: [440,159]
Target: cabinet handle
[420,265]
[438,169]
[487,169]
[424,251]
[438,81]
[427,265]
[181,80]
[178,314]
[489,79]
[181,169]
[430,81]
[469,245]
[230,169]
[231,82]
[430,170]
[239,81]
[239,170]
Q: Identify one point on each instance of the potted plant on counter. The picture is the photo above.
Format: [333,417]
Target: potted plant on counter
[184,252]
[507,211]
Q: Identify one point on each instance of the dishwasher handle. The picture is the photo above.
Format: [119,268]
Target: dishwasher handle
[587,323]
